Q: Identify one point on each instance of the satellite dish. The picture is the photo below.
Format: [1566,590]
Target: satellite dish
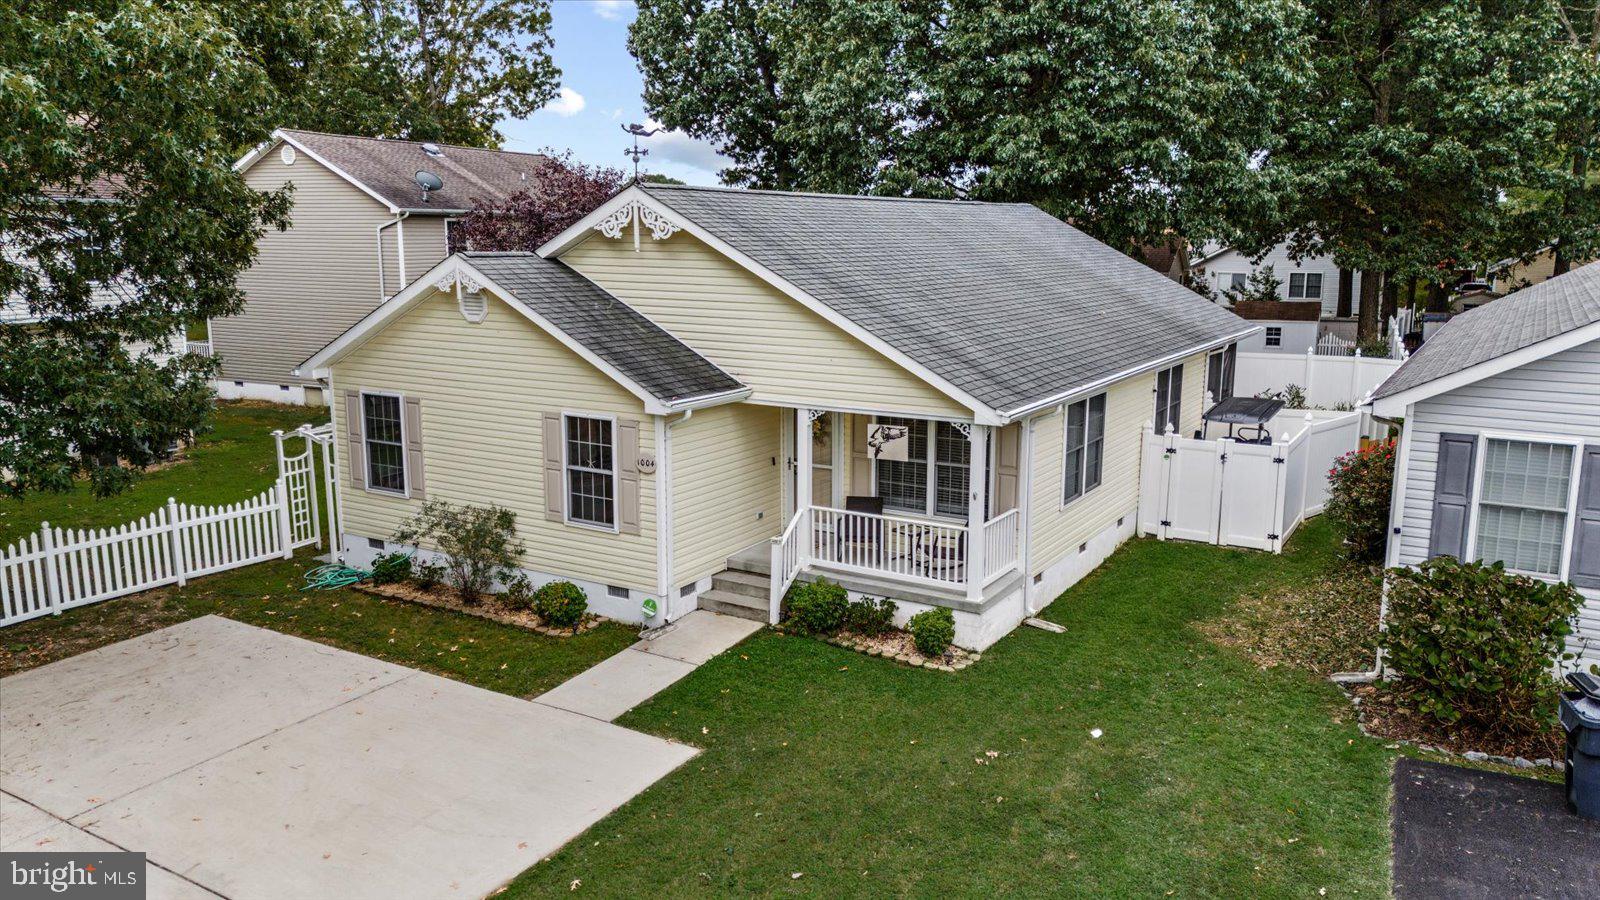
[428,182]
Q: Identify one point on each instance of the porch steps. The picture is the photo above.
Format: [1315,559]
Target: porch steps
[741,594]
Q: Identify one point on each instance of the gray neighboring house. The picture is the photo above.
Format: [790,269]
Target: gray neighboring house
[1499,458]
[362,229]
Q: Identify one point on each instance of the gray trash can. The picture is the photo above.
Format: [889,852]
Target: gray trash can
[1580,716]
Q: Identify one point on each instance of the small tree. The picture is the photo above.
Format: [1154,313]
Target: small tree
[1359,487]
[559,193]
[478,542]
[1474,643]
[1261,285]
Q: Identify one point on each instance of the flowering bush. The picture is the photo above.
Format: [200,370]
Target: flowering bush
[1359,485]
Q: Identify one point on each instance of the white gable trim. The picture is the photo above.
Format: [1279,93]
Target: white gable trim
[459,270]
[1395,404]
[983,414]
[249,159]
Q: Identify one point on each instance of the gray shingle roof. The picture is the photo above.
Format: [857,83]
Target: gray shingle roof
[614,331]
[1521,319]
[1004,301]
[389,169]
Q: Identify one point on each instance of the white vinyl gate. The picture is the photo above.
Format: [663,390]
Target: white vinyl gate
[1241,494]
[56,569]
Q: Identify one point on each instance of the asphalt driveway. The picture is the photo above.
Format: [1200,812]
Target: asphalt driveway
[247,763]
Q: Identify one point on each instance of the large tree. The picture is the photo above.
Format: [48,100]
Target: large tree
[1421,117]
[121,123]
[462,66]
[1135,120]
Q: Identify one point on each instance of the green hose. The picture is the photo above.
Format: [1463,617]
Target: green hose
[334,575]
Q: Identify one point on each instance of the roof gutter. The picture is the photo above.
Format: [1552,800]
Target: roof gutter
[690,404]
[1091,387]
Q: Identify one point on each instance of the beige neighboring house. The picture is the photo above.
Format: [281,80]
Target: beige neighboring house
[695,396]
[1512,274]
[363,228]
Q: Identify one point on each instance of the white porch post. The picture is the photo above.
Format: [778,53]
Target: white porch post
[977,490]
[802,458]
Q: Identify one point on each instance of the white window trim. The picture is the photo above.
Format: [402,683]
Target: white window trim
[366,450]
[930,507]
[1066,424]
[616,475]
[1305,286]
[1155,392]
[1268,339]
[1565,559]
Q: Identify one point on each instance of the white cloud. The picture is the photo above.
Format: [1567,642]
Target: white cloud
[675,146]
[610,9]
[567,102]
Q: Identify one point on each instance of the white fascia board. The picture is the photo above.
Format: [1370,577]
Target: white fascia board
[375,321]
[1395,404]
[1098,385]
[703,401]
[983,414]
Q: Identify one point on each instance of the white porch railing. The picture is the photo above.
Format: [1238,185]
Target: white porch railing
[919,552]
[1002,540]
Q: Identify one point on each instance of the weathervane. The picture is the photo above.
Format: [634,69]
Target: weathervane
[638,131]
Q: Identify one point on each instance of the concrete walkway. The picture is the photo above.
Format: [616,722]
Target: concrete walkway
[247,763]
[638,673]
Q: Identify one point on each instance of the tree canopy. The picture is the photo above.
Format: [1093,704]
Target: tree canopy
[560,192]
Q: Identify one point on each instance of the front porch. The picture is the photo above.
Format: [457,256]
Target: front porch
[885,523]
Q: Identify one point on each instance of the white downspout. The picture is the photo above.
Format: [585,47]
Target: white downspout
[664,543]
[1025,502]
[400,244]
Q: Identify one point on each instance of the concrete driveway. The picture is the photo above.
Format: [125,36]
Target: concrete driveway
[248,763]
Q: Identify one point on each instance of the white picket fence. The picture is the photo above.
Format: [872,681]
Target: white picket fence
[1239,494]
[1328,381]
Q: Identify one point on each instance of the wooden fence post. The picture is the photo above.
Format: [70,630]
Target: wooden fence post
[52,579]
[180,563]
[281,491]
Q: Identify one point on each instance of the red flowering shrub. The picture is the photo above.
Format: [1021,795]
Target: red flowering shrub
[1359,485]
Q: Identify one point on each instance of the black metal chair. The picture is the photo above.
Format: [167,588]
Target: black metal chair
[854,530]
[939,558]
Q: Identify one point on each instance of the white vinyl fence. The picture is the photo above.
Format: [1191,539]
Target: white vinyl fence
[1328,381]
[1241,494]
[56,569]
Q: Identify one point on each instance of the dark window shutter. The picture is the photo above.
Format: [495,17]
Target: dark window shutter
[1586,530]
[554,482]
[628,476]
[414,473]
[354,449]
[1452,494]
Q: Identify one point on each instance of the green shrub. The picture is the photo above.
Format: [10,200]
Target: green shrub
[391,568]
[1293,396]
[478,542]
[560,604]
[817,607]
[427,575]
[932,630]
[870,617]
[1475,644]
[518,593]
[1358,499]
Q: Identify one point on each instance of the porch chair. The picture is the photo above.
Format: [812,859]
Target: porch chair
[867,533]
[939,558]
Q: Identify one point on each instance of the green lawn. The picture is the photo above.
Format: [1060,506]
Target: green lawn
[232,462]
[1213,777]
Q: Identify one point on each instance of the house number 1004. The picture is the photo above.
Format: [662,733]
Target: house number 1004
[647,465]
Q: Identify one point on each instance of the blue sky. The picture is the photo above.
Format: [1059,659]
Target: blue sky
[600,92]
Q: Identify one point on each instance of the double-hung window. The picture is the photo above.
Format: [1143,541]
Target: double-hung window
[1219,370]
[933,479]
[1086,443]
[1274,336]
[383,437]
[1305,286]
[1522,505]
[1169,398]
[591,471]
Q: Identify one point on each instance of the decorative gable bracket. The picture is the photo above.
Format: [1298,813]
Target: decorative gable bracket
[470,300]
[635,214]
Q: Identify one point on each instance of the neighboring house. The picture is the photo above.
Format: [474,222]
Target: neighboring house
[1315,278]
[1509,275]
[1499,458]
[939,402]
[1286,327]
[363,228]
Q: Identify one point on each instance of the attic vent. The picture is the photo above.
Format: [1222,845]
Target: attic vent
[287,155]
[432,149]
[474,307]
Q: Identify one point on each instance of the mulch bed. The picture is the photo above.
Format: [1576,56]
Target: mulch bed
[1384,714]
[489,607]
[896,645]
[1325,626]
